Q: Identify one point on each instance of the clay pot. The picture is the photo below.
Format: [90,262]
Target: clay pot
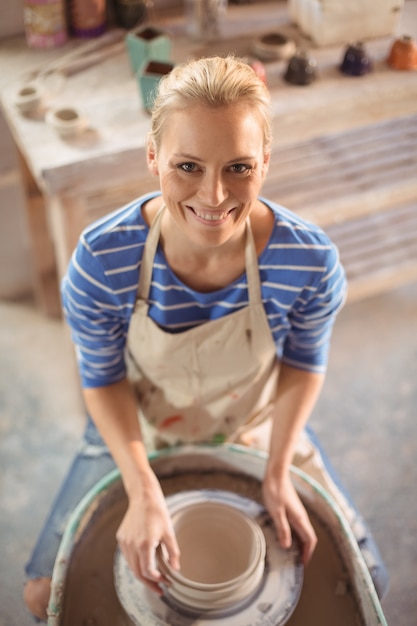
[356,61]
[273,46]
[403,54]
[301,69]
[222,557]
[67,122]
[28,99]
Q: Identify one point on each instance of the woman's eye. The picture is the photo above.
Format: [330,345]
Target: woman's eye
[241,168]
[187,167]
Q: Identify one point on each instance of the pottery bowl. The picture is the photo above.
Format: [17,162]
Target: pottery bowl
[28,99]
[67,122]
[222,556]
[273,45]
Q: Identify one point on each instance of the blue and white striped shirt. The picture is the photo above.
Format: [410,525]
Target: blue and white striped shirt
[303,287]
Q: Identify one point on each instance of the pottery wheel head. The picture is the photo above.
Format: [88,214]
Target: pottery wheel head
[273,584]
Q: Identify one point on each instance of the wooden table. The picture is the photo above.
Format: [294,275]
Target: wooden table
[70,183]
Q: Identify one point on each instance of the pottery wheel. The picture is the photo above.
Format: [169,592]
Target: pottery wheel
[272,604]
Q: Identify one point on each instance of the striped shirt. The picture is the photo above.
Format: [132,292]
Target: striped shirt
[303,287]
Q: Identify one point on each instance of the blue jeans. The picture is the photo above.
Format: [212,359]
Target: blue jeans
[91,463]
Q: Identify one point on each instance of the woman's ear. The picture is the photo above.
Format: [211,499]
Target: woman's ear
[265,164]
[152,158]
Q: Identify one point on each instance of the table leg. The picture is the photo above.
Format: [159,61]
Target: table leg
[42,249]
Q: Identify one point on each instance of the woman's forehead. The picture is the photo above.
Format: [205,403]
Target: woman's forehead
[202,124]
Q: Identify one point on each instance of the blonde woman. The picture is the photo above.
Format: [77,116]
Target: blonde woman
[204,307]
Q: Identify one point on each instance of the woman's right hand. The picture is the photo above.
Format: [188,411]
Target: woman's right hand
[147,524]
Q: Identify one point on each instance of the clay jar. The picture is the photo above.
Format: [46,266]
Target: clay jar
[356,61]
[403,54]
[222,557]
[301,69]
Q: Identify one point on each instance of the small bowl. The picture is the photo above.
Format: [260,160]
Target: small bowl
[28,99]
[222,556]
[356,61]
[272,46]
[301,69]
[66,121]
[403,54]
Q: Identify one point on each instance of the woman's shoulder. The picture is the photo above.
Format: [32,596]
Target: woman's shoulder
[290,227]
[125,224]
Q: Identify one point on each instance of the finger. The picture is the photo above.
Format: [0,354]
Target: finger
[143,569]
[306,535]
[148,566]
[283,530]
[173,551]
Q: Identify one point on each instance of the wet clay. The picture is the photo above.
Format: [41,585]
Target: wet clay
[89,597]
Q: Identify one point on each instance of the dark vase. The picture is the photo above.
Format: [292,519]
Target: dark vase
[301,69]
[129,13]
[356,62]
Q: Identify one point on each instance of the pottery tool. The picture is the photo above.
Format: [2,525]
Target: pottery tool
[85,54]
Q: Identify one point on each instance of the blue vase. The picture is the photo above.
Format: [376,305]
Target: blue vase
[147,43]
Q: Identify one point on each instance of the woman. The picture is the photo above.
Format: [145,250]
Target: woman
[204,305]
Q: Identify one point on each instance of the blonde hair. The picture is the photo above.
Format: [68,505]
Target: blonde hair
[213,81]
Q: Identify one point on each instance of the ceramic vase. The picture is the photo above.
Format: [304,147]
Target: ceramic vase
[148,77]
[356,61]
[129,13]
[301,69]
[147,43]
[403,54]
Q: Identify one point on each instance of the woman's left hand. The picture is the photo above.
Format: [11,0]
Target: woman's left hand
[288,512]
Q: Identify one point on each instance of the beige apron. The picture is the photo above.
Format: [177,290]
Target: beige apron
[210,383]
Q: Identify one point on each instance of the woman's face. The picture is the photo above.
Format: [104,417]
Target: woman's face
[211,165]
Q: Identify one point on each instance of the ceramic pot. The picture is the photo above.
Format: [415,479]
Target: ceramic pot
[301,69]
[356,61]
[67,122]
[148,77]
[273,46]
[147,43]
[129,13]
[403,54]
[28,99]
[222,556]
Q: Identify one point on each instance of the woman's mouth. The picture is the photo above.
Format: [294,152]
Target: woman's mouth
[210,216]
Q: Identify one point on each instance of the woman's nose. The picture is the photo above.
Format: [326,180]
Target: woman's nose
[212,190]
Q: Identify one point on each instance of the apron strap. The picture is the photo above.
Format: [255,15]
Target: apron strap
[252,269]
[149,252]
[151,245]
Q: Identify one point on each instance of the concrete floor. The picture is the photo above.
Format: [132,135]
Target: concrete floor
[366,419]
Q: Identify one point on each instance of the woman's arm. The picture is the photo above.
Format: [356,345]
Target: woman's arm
[146,523]
[298,391]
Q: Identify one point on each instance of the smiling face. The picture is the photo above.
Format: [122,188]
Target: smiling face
[211,165]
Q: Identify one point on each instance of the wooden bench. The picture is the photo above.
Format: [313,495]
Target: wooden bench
[361,187]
